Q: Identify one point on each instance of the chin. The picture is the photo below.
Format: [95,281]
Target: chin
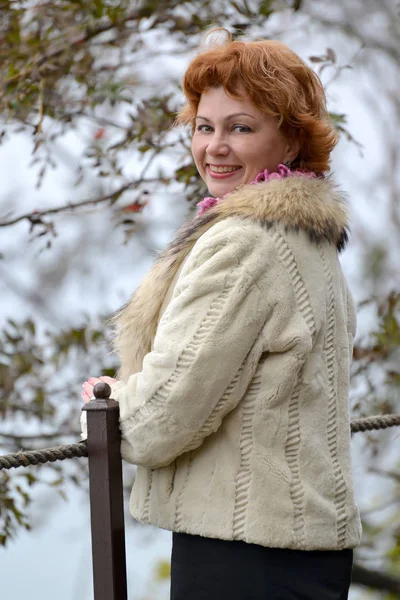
[221,190]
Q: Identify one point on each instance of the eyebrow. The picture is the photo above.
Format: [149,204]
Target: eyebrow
[228,117]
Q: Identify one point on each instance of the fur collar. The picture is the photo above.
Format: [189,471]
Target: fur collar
[299,203]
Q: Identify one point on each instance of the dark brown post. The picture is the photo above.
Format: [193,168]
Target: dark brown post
[106,496]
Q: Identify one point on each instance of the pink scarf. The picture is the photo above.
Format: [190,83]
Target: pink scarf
[265,175]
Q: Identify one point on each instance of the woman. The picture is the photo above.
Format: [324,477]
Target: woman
[235,351]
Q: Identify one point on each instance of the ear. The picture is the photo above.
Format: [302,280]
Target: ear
[292,150]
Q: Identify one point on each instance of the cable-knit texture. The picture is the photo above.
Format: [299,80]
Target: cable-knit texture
[188,355]
[206,428]
[235,415]
[292,456]
[301,293]
[294,434]
[330,357]
[179,517]
[244,474]
[146,507]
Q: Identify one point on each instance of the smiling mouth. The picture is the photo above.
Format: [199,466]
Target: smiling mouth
[216,169]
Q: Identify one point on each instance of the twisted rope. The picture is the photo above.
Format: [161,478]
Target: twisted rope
[378,422]
[35,457]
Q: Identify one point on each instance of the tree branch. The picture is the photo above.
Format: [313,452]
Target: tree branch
[387,504]
[375,579]
[13,437]
[297,5]
[35,216]
[351,26]
[392,474]
[91,32]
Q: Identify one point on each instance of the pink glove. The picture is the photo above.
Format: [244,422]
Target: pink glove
[88,386]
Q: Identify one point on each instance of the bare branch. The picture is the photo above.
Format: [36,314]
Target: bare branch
[376,579]
[350,25]
[391,474]
[376,509]
[13,437]
[35,217]
[297,5]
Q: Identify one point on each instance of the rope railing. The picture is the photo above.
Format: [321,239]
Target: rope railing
[377,422]
[102,448]
[45,455]
[36,457]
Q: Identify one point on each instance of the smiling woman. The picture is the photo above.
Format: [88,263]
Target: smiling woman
[235,351]
[233,141]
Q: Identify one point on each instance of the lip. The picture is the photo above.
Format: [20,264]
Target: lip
[214,175]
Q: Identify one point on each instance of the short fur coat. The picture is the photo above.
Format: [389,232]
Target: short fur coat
[235,360]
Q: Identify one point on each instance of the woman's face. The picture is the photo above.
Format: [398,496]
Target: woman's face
[233,141]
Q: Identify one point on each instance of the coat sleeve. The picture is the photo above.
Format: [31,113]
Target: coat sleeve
[193,376]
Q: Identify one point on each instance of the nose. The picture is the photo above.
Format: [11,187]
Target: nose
[217,145]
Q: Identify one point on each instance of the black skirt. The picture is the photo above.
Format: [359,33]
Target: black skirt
[211,569]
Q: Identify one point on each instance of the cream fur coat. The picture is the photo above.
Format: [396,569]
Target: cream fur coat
[235,359]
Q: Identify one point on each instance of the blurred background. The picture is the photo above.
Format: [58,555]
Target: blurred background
[94,181]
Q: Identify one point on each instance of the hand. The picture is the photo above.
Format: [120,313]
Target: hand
[88,386]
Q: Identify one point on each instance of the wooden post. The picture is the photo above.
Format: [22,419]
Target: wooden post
[106,496]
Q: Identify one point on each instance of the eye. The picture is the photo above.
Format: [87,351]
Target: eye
[204,128]
[242,128]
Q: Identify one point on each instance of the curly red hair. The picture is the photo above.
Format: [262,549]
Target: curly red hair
[278,83]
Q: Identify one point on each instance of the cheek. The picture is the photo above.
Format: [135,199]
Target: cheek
[197,150]
[267,150]
[254,153]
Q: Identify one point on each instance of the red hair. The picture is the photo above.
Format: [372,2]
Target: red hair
[278,83]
